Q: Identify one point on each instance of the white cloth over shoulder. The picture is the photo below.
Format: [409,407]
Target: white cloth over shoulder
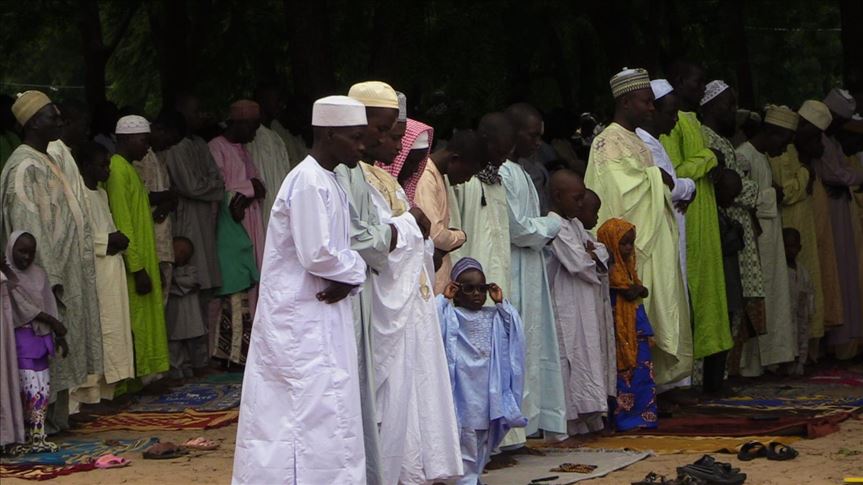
[300,411]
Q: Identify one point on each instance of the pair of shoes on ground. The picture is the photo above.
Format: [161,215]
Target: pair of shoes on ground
[705,471]
[772,451]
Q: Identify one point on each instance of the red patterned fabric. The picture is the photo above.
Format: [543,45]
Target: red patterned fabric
[413,130]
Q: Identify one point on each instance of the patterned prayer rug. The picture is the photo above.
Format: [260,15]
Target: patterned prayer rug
[201,396]
[42,472]
[188,419]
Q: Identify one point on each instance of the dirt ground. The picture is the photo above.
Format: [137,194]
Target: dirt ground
[820,462]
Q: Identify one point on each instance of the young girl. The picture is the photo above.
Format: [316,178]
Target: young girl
[636,390]
[485,351]
[34,312]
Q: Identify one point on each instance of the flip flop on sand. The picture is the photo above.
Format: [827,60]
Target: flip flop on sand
[111,461]
[778,452]
[752,450]
[164,451]
[201,444]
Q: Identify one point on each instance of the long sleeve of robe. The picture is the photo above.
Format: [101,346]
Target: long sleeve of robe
[798,212]
[621,172]
[199,185]
[779,344]
[488,226]
[155,178]
[487,388]
[432,197]
[543,403]
[130,207]
[301,369]
[575,287]
[270,155]
[36,197]
[694,160]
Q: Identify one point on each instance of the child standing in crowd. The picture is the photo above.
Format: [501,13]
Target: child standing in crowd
[37,330]
[485,352]
[802,297]
[728,186]
[636,389]
[187,341]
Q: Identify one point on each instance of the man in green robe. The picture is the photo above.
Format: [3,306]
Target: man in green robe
[37,197]
[694,160]
[130,205]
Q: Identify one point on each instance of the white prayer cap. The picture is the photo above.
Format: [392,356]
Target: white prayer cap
[403,106]
[841,103]
[375,94]
[816,113]
[131,125]
[422,141]
[712,90]
[629,80]
[338,111]
[660,87]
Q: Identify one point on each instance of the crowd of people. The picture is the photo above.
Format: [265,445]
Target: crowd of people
[405,307]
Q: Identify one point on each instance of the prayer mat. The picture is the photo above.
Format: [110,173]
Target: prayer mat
[198,396]
[42,472]
[188,419]
[531,467]
[765,425]
[838,377]
[815,402]
[80,451]
[684,444]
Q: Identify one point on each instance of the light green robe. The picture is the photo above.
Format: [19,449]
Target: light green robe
[371,239]
[487,230]
[130,206]
[692,159]
[36,197]
[780,343]
[798,213]
[529,233]
[622,173]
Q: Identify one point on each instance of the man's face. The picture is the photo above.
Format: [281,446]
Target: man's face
[190,108]
[392,143]
[136,145]
[808,140]
[76,127]
[270,102]
[726,110]
[100,168]
[665,116]
[692,86]
[499,149]
[245,129]
[639,106]
[376,140]
[347,144]
[779,142]
[47,123]
[462,168]
[528,137]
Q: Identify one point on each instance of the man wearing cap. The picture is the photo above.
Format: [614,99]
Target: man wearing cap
[300,412]
[544,404]
[268,150]
[779,343]
[130,206]
[839,178]
[719,114]
[693,159]
[38,198]
[622,172]
[398,319]
[793,172]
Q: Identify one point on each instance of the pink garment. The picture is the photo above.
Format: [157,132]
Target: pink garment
[237,169]
[413,130]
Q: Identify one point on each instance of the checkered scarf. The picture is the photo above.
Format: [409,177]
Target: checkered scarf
[413,130]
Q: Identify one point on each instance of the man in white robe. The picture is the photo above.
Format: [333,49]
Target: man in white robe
[268,150]
[300,411]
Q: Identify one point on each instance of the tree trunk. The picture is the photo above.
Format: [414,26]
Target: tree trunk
[311,58]
[95,50]
[169,27]
[851,13]
[732,19]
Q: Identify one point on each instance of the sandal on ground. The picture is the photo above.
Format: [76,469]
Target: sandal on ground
[574,468]
[708,461]
[164,451]
[751,451]
[111,461]
[779,452]
[201,444]
[653,479]
[711,475]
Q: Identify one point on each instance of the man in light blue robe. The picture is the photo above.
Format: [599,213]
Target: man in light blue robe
[485,354]
[544,403]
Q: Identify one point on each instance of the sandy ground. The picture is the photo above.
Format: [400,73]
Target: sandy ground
[820,462]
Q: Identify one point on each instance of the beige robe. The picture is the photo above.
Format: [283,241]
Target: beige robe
[271,158]
[432,197]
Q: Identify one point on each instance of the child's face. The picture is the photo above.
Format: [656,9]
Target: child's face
[473,290]
[100,168]
[627,244]
[570,199]
[182,252]
[792,247]
[24,252]
[589,214]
